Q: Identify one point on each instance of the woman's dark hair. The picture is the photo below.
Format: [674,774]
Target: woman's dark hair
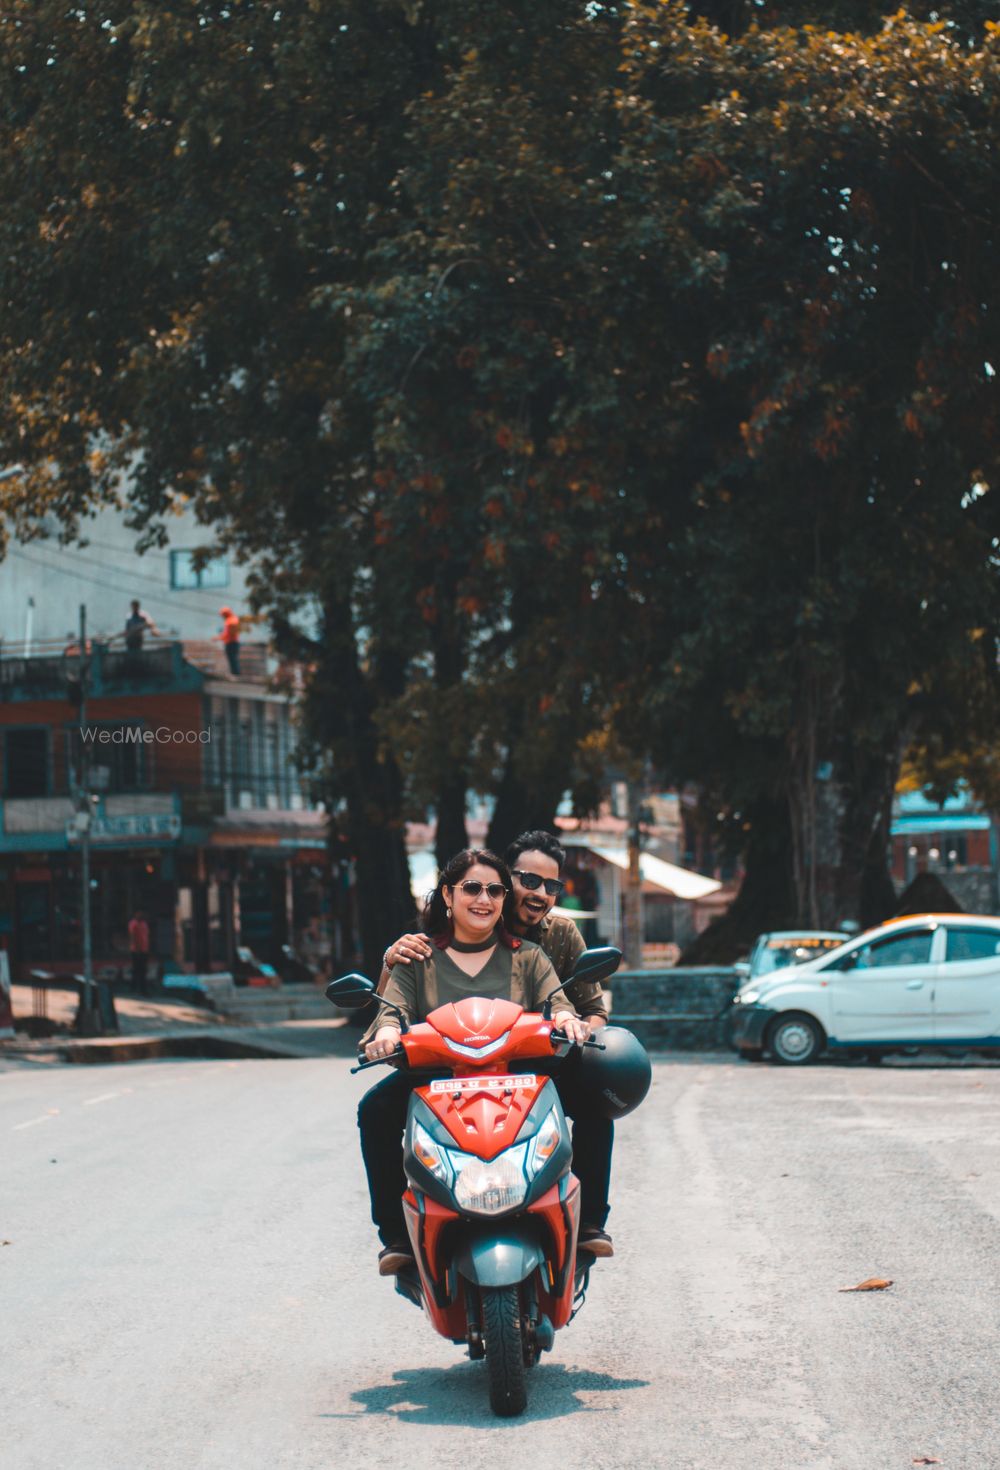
[435,915]
[536,842]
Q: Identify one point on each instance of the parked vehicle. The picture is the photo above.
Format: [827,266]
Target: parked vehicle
[923,980]
[783,947]
[491,1207]
[249,970]
[293,969]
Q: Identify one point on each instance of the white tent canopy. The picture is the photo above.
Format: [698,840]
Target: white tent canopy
[673,880]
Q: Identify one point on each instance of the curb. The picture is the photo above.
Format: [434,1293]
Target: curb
[235,1043]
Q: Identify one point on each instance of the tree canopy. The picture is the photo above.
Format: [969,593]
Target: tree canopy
[589,373]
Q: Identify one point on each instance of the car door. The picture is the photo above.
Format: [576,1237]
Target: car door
[967,984]
[881,991]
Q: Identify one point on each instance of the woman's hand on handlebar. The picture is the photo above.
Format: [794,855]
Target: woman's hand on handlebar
[382,1044]
[574,1027]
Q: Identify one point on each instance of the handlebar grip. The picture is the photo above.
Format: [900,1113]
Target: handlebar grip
[561,1036]
[365,1062]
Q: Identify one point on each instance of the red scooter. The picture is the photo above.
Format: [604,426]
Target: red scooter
[492,1209]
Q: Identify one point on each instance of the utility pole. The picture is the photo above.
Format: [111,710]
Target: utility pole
[632,896]
[89,1010]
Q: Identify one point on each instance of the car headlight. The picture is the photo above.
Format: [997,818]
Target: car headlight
[748,997]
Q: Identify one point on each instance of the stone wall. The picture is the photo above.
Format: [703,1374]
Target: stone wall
[973,888]
[675,1010]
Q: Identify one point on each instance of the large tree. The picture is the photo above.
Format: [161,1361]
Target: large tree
[570,366]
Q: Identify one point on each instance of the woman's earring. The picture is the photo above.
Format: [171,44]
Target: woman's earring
[448,912]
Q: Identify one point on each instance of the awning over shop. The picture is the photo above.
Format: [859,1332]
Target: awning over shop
[940,822]
[678,882]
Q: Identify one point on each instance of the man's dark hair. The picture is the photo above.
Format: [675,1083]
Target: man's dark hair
[536,842]
[135,604]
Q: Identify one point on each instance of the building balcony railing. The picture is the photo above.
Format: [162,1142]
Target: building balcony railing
[51,671]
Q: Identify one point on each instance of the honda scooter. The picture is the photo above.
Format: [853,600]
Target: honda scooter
[492,1208]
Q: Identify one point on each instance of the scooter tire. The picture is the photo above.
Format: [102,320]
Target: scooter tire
[505,1363]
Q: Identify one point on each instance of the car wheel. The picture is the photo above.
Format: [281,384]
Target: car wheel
[795,1040]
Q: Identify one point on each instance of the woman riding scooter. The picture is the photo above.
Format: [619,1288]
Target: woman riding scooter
[472,954]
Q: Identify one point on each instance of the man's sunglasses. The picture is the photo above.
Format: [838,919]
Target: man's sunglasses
[533,881]
[474,888]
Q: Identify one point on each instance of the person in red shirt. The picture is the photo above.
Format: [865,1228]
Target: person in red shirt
[138,943]
[230,637]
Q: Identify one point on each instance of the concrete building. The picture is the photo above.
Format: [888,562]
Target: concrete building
[198,815]
[43,584]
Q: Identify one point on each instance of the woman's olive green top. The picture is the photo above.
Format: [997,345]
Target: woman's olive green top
[417,987]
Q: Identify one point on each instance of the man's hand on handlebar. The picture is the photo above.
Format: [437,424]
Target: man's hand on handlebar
[382,1044]
[572,1026]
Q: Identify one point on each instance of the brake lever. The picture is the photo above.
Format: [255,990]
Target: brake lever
[560,1036]
[366,1062]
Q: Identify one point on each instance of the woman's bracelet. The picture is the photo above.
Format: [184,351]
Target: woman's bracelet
[385,958]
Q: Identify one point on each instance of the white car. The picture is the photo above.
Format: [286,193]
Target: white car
[781,947]
[924,980]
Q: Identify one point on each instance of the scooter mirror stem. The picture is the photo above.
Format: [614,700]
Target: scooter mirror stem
[547,1009]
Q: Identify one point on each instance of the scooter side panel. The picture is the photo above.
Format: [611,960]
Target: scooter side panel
[560,1215]
[424,1226]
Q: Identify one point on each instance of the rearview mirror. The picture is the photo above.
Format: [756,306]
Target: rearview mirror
[742,968]
[350,991]
[596,964]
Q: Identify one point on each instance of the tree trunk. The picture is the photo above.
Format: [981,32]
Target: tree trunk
[451,835]
[340,716]
[449,668]
[766,899]
[840,802]
[523,808]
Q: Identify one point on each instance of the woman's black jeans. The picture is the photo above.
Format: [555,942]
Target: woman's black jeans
[382,1118]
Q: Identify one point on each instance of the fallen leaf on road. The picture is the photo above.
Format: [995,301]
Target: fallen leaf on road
[926,1460]
[6,1242]
[874,1283]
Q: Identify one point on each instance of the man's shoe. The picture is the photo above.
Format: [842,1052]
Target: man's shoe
[597,1242]
[394,1259]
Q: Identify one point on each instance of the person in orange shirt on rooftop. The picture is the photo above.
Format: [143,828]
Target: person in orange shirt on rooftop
[230,637]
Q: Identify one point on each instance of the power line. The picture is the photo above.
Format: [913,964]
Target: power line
[169,596]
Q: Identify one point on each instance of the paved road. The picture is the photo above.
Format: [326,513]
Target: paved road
[190,1285]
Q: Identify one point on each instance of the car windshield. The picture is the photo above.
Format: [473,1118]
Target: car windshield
[791,949]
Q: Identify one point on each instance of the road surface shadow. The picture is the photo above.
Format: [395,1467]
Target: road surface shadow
[460,1395]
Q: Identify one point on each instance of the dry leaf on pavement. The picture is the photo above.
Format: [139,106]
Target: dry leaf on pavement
[874,1283]
[926,1460]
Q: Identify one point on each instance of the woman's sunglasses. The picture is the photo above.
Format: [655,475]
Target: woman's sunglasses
[474,888]
[533,881]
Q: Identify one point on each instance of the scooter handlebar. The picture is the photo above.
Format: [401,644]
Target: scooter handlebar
[365,1062]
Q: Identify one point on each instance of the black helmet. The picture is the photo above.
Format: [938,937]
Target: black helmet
[619,1076]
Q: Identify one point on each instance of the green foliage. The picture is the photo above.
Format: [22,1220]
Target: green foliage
[588,372]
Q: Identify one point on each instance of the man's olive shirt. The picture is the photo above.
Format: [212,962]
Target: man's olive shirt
[564,944]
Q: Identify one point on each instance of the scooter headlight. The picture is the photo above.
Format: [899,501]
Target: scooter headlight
[484,1188]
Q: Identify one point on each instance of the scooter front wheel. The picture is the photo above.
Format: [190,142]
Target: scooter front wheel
[504,1350]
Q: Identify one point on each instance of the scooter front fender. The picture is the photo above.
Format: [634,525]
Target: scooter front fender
[498,1260]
